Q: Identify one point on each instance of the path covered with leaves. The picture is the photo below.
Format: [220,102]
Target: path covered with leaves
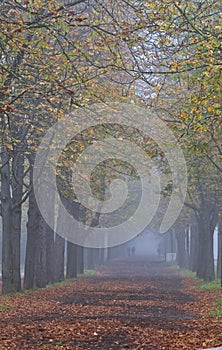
[134,304]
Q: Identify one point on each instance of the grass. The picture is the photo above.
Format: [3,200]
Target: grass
[3,307]
[215,284]
[189,273]
[204,285]
[184,272]
[61,283]
[87,273]
[14,293]
[217,311]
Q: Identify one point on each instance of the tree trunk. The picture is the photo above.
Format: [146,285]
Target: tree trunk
[181,249]
[17,190]
[102,256]
[32,234]
[40,257]
[6,208]
[219,252]
[109,254]
[187,245]
[96,256]
[71,268]
[80,260]
[90,258]
[205,265]
[49,255]
[207,220]
[59,251]
[50,200]
[193,246]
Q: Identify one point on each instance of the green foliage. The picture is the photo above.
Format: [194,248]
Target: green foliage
[188,273]
[3,307]
[217,311]
[204,285]
[215,284]
[87,273]
[61,283]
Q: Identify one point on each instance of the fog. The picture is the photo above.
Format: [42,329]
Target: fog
[146,244]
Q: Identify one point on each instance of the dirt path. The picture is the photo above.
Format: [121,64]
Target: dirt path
[134,304]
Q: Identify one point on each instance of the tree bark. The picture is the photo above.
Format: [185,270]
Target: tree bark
[32,234]
[32,243]
[207,220]
[6,211]
[59,252]
[71,268]
[80,260]
[205,265]
[49,236]
[181,249]
[90,258]
[193,245]
[49,254]
[219,251]
[17,191]
[40,258]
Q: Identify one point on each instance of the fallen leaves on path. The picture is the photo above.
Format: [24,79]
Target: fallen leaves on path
[129,305]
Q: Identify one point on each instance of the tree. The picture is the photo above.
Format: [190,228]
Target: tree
[184,61]
[55,56]
[60,55]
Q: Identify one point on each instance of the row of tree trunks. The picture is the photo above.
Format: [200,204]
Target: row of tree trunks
[195,244]
[45,251]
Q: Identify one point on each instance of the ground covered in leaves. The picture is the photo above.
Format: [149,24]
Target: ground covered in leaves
[134,304]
